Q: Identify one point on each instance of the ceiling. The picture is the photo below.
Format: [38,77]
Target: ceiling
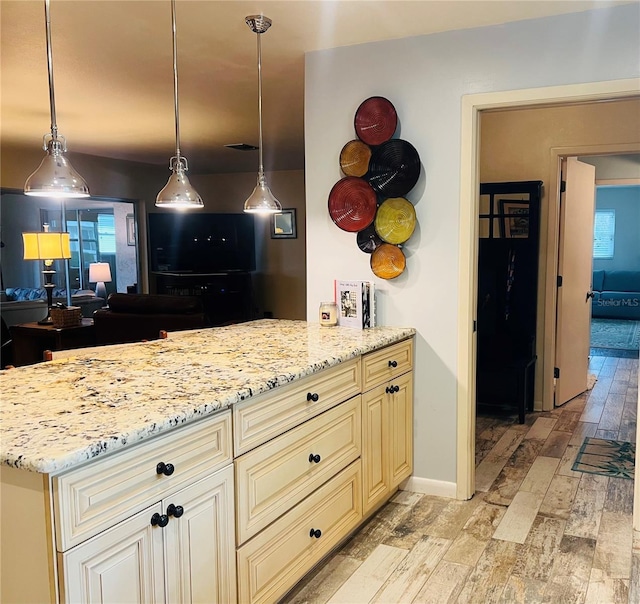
[113,69]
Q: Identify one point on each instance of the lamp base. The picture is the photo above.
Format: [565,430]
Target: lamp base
[48,286]
[46,321]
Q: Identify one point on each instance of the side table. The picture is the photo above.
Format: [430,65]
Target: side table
[30,340]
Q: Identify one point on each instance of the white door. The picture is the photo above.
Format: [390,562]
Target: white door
[123,564]
[200,542]
[575,263]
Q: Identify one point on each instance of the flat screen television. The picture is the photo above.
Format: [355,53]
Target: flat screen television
[196,243]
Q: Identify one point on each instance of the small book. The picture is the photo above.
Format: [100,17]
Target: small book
[356,303]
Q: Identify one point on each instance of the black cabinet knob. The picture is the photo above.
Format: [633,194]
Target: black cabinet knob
[314,458]
[389,389]
[175,510]
[312,396]
[393,363]
[165,468]
[396,388]
[160,520]
[317,533]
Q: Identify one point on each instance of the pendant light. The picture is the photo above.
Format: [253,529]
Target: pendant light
[55,176]
[178,192]
[261,201]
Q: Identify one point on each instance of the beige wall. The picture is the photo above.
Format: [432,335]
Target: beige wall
[280,277]
[516,145]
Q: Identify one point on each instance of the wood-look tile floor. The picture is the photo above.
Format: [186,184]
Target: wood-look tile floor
[536,531]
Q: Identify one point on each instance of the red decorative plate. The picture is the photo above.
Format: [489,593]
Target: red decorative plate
[376,120]
[352,204]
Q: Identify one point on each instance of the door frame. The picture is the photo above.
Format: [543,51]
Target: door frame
[468,243]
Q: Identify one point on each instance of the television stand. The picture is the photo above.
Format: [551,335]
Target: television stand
[227,297]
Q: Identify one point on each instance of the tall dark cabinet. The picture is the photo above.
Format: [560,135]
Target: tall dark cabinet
[509,231]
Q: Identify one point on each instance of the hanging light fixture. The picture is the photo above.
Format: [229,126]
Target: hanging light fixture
[261,201]
[178,192]
[55,176]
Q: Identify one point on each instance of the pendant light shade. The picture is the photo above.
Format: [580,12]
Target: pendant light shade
[178,192]
[261,200]
[55,176]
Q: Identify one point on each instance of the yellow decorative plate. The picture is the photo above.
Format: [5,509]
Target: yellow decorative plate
[395,220]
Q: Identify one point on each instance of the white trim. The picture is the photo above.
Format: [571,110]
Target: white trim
[469,158]
[439,488]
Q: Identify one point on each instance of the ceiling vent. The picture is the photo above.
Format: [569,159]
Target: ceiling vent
[242,147]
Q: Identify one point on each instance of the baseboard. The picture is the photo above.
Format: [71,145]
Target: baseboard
[428,486]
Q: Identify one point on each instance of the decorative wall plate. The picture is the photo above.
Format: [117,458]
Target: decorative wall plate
[395,220]
[376,120]
[354,158]
[388,261]
[352,204]
[394,168]
[368,240]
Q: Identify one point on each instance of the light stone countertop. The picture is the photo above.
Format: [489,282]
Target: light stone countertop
[58,414]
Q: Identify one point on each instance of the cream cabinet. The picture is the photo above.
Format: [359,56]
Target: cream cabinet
[306,479]
[387,423]
[139,525]
[158,555]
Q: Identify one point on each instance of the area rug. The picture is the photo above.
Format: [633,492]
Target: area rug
[615,333]
[606,457]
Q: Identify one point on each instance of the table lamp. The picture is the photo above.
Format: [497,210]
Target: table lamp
[47,247]
[100,273]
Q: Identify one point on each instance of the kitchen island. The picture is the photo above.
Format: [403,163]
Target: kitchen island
[79,435]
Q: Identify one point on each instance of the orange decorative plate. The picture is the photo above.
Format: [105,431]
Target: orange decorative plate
[354,158]
[388,261]
[395,220]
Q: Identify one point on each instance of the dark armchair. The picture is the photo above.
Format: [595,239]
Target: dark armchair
[136,317]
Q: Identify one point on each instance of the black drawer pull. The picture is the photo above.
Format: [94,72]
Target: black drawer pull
[175,510]
[159,520]
[317,533]
[393,363]
[312,396]
[392,389]
[165,468]
[314,458]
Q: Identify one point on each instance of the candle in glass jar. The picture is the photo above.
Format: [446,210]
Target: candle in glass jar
[328,314]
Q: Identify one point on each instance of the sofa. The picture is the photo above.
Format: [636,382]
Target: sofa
[616,295]
[26,304]
[137,317]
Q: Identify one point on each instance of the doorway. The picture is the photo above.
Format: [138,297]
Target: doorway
[472,105]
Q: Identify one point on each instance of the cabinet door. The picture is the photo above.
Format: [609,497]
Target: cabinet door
[200,543]
[122,564]
[375,456]
[401,429]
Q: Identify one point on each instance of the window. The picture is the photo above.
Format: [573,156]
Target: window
[604,230]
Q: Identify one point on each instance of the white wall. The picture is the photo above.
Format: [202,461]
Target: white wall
[425,77]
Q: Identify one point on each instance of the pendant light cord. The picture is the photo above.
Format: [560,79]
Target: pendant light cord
[260,167]
[52,96]
[175,79]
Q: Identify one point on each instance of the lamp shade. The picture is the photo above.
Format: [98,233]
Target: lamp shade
[262,200]
[99,271]
[46,246]
[55,176]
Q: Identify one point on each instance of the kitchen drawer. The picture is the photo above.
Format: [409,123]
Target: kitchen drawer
[96,496]
[268,415]
[277,475]
[275,560]
[385,364]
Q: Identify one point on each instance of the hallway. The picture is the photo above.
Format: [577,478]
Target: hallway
[536,531]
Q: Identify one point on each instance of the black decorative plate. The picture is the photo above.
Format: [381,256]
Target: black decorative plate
[368,240]
[352,204]
[394,168]
[375,120]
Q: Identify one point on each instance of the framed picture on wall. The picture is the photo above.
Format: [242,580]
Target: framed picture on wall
[283,225]
[515,219]
[131,230]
